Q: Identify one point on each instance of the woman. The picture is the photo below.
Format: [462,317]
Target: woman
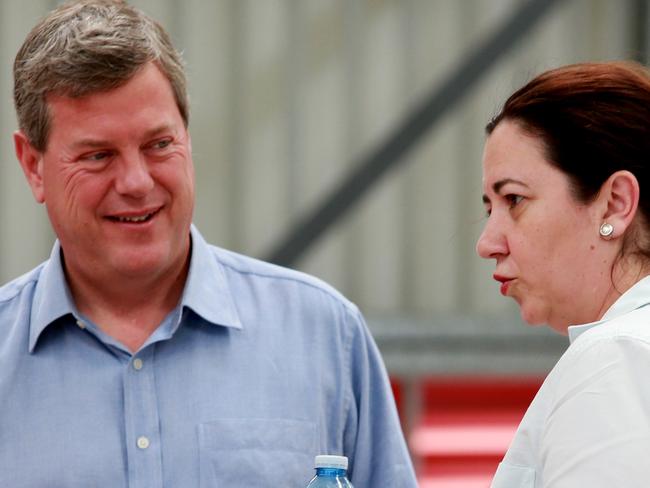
[566,177]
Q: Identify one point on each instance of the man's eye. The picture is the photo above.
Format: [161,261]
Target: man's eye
[97,156]
[162,144]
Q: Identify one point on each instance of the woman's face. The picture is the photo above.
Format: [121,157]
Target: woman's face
[549,256]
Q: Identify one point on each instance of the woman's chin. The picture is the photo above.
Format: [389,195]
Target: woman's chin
[532,317]
[536,320]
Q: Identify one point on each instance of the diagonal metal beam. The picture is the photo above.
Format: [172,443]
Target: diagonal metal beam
[391,153]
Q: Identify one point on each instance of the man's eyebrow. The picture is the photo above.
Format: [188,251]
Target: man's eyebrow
[101,143]
[158,130]
[500,184]
[90,143]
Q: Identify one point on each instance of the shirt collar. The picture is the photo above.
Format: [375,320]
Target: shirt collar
[52,297]
[636,297]
[206,291]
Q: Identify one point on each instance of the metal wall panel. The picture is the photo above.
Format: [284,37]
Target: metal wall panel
[287,94]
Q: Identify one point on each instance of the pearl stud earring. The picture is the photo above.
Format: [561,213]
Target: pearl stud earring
[606,230]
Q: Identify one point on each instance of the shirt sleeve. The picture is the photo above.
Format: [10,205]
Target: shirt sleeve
[373,439]
[597,432]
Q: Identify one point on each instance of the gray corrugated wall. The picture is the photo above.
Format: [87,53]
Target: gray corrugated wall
[286,93]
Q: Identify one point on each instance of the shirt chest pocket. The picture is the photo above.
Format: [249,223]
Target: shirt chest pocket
[510,476]
[256,452]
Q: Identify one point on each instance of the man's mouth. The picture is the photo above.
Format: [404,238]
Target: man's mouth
[133,219]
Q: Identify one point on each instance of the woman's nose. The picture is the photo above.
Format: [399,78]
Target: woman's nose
[491,243]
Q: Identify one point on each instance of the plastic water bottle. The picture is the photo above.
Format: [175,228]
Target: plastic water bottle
[331,472]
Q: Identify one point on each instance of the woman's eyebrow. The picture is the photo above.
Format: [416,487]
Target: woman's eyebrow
[499,184]
[496,187]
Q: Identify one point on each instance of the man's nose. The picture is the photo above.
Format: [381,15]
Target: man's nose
[133,176]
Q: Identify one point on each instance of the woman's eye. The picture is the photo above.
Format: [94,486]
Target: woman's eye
[514,200]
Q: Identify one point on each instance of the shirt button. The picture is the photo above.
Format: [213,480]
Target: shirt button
[137,364]
[81,324]
[143,442]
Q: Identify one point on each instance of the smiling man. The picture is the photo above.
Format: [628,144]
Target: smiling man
[139,355]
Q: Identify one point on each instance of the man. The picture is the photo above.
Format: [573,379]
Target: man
[138,355]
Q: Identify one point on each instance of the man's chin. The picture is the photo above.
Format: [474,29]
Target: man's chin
[135,265]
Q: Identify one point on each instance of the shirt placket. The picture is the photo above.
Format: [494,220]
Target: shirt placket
[142,421]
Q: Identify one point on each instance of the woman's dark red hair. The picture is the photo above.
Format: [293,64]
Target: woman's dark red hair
[594,120]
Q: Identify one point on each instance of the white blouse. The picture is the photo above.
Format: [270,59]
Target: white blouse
[589,424]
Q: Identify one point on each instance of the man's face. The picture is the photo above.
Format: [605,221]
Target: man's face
[117,179]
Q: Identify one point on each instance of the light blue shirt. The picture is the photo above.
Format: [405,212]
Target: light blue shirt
[256,371]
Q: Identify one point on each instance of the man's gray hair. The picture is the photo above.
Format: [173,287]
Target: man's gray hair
[84,47]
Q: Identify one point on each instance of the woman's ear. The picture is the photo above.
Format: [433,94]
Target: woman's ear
[31,161]
[620,197]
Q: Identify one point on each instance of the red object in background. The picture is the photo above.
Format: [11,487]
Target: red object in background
[464,427]
[396,385]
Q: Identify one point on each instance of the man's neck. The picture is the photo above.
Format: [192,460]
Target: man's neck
[131,309]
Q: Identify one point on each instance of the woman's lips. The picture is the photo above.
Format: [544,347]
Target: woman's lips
[505,283]
[504,287]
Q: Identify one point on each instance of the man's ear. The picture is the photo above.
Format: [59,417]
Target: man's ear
[31,161]
[620,196]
